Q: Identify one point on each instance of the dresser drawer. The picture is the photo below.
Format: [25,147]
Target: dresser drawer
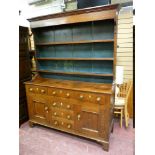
[89,97]
[36,89]
[62,103]
[62,113]
[61,123]
[78,95]
[61,93]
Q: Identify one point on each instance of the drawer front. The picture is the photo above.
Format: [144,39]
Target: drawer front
[79,95]
[62,123]
[58,102]
[36,90]
[62,113]
[89,97]
[61,93]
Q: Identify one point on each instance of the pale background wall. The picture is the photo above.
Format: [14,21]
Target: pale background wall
[125,42]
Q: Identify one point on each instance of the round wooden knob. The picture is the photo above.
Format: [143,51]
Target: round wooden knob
[62,123]
[89,96]
[54,104]
[67,94]
[68,106]
[42,91]
[37,89]
[78,117]
[54,93]
[46,108]
[55,113]
[56,122]
[61,104]
[31,89]
[68,116]
[98,99]
[81,96]
[68,126]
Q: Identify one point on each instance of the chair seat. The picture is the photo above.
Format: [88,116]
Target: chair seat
[119,101]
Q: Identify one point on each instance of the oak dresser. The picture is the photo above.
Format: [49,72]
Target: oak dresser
[76,55]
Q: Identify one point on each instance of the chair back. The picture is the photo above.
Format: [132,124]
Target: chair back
[125,89]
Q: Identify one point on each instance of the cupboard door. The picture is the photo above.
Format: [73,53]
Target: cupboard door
[90,118]
[86,120]
[38,108]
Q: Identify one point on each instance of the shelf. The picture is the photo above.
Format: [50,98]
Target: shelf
[76,42]
[76,59]
[75,73]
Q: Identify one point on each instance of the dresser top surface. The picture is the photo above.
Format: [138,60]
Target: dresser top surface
[73,85]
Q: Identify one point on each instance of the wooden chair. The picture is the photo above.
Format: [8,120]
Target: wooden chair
[121,102]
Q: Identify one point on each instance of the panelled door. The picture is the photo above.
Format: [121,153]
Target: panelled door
[90,118]
[38,108]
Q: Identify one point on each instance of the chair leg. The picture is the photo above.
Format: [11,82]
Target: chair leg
[126,115]
[121,118]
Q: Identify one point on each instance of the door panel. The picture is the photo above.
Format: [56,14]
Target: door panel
[38,108]
[89,123]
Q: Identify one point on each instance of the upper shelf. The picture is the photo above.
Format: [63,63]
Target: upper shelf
[76,42]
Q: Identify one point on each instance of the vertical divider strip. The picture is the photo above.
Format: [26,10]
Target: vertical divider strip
[54,46]
[92,44]
[72,46]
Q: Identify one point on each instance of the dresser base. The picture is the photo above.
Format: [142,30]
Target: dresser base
[105,144]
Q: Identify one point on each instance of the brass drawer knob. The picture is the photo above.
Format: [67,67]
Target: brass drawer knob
[54,104]
[68,126]
[54,93]
[67,94]
[46,108]
[68,106]
[89,96]
[62,123]
[37,89]
[78,117]
[98,99]
[55,122]
[81,96]
[61,104]
[68,116]
[42,91]
[31,89]
[55,113]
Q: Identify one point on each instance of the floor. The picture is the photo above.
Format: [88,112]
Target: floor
[44,141]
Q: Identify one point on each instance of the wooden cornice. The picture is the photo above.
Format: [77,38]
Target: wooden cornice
[75,12]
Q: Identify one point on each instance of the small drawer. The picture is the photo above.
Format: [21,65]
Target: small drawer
[62,113]
[30,89]
[37,90]
[62,103]
[62,124]
[89,97]
[54,92]
[60,93]
[42,90]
